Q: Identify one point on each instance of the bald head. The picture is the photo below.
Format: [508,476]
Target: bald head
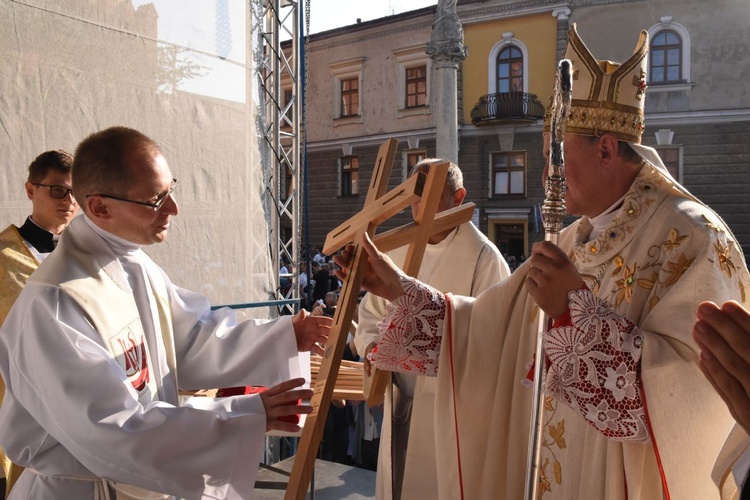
[454,180]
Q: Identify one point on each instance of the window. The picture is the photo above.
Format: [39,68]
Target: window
[669,57]
[508,173]
[509,70]
[670,155]
[413,68]
[347,103]
[416,86]
[349,176]
[414,157]
[508,66]
[666,58]
[411,158]
[350,97]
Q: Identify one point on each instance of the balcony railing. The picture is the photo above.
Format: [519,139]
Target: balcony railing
[507,107]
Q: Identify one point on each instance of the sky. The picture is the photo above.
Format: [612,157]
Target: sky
[329,14]
[193,24]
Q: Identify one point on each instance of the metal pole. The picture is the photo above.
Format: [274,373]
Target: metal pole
[553,212]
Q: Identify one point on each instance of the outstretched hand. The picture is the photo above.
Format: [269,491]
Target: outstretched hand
[366,364]
[551,276]
[311,332]
[723,334]
[283,400]
[380,274]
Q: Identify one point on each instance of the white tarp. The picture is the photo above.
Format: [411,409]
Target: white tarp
[181,71]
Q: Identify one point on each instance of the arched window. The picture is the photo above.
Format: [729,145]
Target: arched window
[509,70]
[665,58]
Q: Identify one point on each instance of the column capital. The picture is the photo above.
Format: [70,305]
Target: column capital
[561,14]
[447,39]
[450,52]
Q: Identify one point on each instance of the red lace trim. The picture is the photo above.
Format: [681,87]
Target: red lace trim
[595,367]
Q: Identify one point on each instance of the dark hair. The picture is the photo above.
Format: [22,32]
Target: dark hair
[101,162]
[627,153]
[57,160]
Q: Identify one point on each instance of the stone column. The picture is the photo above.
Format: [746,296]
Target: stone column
[446,48]
[563,24]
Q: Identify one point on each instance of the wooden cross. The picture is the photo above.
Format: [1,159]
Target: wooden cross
[379,206]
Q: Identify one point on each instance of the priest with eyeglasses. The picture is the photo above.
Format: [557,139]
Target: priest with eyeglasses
[100,343]
[53,206]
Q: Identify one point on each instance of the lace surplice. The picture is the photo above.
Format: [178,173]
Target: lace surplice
[594,355]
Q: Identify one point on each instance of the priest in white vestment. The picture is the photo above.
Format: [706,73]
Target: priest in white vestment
[628,414]
[99,341]
[460,260]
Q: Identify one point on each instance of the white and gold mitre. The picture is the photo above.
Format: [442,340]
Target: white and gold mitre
[607,97]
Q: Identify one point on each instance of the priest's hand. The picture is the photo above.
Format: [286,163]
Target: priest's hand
[723,334]
[550,277]
[283,401]
[311,332]
[379,275]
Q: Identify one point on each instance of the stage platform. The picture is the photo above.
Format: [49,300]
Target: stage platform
[332,481]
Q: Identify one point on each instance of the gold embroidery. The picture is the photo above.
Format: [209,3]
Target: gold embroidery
[652,302]
[712,225]
[674,269]
[558,472]
[650,282]
[639,82]
[544,484]
[625,285]
[677,269]
[618,261]
[534,313]
[674,239]
[725,260]
[557,433]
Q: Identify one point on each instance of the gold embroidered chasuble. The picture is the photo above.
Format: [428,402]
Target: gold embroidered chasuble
[663,253]
[16,265]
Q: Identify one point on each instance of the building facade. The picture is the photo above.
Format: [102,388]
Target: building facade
[373,80]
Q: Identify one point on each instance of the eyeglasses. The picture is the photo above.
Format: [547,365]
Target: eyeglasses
[57,192]
[153,205]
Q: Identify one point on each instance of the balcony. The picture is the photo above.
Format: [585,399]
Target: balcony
[509,107]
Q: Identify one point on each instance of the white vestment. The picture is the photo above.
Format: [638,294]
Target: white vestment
[73,412]
[629,413]
[465,263]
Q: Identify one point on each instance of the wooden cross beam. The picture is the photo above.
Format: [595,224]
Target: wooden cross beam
[376,384]
[378,207]
[304,461]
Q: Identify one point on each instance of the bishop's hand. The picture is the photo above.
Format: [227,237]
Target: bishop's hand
[552,275]
[380,274]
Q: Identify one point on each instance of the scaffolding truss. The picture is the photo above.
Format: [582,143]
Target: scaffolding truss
[278,76]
